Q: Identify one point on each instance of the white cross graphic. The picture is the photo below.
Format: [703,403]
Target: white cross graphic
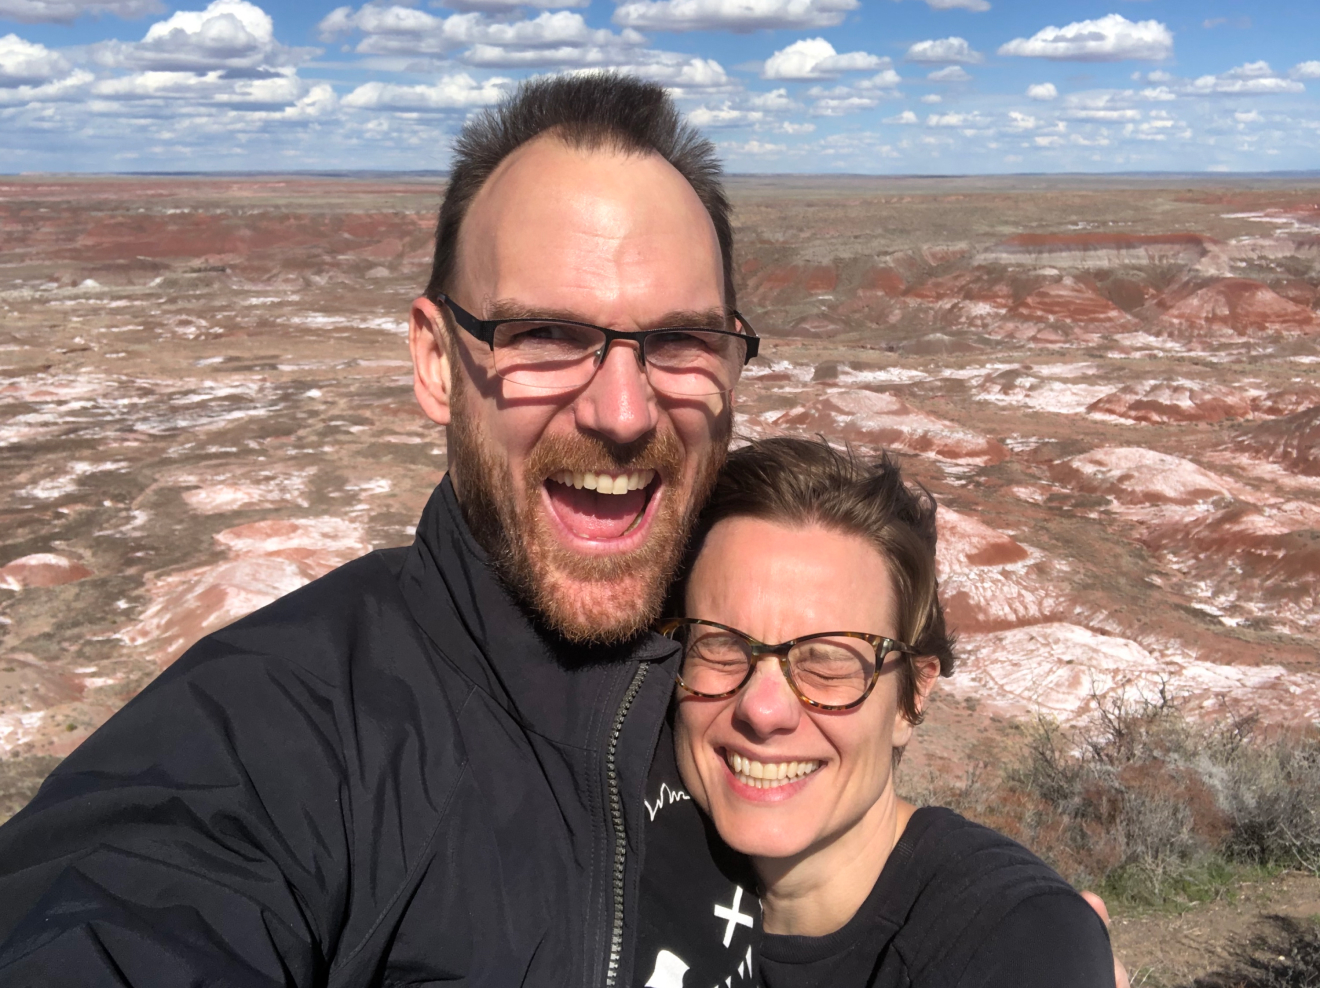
[732,914]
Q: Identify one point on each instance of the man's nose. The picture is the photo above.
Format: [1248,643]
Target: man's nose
[619,403]
[767,705]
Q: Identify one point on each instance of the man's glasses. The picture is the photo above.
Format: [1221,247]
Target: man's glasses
[832,670]
[559,355]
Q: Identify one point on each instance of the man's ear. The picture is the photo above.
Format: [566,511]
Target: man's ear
[432,383]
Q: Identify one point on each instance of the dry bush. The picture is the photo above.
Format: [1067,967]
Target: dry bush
[1148,805]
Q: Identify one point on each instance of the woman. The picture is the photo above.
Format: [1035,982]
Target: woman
[789,748]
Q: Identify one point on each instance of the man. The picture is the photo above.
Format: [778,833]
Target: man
[432,764]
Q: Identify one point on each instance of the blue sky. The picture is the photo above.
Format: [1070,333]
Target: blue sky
[859,86]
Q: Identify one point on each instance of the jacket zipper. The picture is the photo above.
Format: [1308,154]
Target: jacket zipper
[616,819]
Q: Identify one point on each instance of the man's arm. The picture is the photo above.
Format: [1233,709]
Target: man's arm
[197,838]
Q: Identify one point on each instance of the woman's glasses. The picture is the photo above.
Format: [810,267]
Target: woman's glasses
[832,670]
[559,355]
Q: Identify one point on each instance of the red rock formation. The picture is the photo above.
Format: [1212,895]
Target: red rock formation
[882,420]
[1292,441]
[41,569]
[1286,401]
[820,279]
[1138,476]
[1160,402]
[885,281]
[1237,306]
[1099,249]
[1071,301]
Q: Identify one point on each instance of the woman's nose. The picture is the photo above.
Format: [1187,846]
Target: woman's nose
[767,704]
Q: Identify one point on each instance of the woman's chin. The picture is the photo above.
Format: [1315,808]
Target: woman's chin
[759,838]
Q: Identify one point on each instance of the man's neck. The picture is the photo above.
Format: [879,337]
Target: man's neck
[817,892]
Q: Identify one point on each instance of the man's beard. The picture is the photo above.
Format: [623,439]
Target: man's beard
[588,599]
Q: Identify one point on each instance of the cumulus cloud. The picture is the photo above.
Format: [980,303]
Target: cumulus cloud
[906,117]
[228,34]
[950,73]
[732,15]
[449,93]
[508,6]
[406,31]
[1043,91]
[1112,38]
[943,50]
[1305,70]
[977,6]
[25,63]
[955,120]
[932,98]
[67,11]
[815,58]
[1253,79]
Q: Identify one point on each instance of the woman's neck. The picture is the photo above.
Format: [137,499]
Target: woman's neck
[818,891]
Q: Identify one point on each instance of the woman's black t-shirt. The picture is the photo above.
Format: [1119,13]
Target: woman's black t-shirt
[956,905]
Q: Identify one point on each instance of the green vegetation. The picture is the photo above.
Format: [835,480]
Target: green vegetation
[1154,809]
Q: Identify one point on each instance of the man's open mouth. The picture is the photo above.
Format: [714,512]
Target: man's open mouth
[601,505]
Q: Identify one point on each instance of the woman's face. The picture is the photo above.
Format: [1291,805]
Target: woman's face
[778,582]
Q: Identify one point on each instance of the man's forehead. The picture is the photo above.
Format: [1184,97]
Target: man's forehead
[560,226]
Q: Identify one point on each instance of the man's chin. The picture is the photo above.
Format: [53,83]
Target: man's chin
[600,612]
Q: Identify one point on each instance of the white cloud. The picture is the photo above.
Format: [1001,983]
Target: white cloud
[954,120]
[1111,38]
[943,50]
[451,92]
[559,38]
[508,6]
[67,11]
[732,15]
[1108,116]
[25,63]
[1043,91]
[1019,122]
[886,79]
[775,100]
[906,117]
[72,87]
[1250,116]
[1251,79]
[754,147]
[1305,70]
[977,6]
[932,98]
[950,73]
[815,58]
[228,34]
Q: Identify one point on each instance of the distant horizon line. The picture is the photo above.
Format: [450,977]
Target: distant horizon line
[438,173]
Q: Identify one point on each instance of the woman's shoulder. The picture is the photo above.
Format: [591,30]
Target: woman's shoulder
[965,890]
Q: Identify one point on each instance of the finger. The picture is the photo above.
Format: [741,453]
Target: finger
[1098,904]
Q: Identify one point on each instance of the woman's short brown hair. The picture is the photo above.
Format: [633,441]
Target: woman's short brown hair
[807,481]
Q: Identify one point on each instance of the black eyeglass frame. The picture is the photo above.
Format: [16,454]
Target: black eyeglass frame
[484,330]
[882,644]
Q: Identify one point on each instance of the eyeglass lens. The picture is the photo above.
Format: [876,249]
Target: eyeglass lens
[555,355]
[830,671]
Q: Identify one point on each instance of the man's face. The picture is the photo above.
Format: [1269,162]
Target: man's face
[619,241]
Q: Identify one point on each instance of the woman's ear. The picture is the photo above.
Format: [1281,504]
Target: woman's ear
[927,671]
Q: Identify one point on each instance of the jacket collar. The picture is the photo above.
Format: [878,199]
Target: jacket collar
[554,688]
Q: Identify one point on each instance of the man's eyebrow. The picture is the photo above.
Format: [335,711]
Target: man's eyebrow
[715,317]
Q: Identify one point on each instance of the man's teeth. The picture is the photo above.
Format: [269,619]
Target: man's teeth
[604,483]
[768,775]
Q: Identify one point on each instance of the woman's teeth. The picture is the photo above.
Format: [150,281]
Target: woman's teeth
[768,775]
[604,483]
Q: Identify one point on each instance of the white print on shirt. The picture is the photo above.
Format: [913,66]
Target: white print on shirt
[670,968]
[732,914]
[669,971]
[666,798]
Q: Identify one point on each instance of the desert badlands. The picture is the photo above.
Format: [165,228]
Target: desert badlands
[1111,385]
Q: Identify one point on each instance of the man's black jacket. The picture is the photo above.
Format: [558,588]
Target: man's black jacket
[389,777]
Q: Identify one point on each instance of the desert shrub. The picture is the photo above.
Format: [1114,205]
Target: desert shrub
[1285,953]
[1148,805]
